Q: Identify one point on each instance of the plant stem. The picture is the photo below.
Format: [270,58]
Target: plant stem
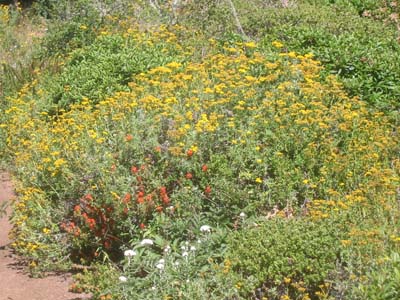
[237,21]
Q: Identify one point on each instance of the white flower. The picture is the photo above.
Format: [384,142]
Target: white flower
[198,241]
[205,228]
[160,266]
[153,288]
[145,242]
[183,248]
[161,261]
[129,253]
[184,254]
[167,249]
[242,215]
[192,248]
[123,279]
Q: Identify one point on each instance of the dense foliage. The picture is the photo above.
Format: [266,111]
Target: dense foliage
[183,165]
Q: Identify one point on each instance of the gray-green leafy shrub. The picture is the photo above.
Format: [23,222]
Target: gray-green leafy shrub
[383,281]
[287,256]
[103,68]
[363,52]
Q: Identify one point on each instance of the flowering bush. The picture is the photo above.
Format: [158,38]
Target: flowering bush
[194,147]
[360,51]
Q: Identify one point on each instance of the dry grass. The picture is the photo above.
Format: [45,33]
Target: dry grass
[19,37]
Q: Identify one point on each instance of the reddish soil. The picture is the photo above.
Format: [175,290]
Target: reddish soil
[15,283]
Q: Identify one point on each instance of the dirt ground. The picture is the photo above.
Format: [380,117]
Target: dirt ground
[15,283]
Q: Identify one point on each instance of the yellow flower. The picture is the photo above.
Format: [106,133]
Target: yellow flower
[306,297]
[287,280]
[277,44]
[33,264]
[250,45]
[174,65]
[59,162]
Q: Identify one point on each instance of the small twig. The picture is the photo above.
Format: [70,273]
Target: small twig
[3,208]
[235,15]
[154,4]
[77,267]
[174,7]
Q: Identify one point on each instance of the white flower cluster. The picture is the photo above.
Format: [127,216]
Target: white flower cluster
[161,264]
[146,242]
[187,249]
[205,228]
[129,253]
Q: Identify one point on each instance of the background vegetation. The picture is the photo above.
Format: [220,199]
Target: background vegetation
[205,149]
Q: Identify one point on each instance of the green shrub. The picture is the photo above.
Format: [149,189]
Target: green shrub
[350,255]
[288,257]
[74,24]
[382,282]
[103,68]
[71,25]
[19,33]
[155,136]
[363,52]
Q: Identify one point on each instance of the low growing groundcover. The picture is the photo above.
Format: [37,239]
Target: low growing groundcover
[226,172]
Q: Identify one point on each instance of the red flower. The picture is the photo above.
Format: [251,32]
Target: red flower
[134,169]
[164,195]
[190,153]
[88,197]
[77,208]
[159,208]
[163,190]
[165,199]
[204,168]
[127,198]
[91,223]
[207,190]
[140,197]
[142,226]
[129,137]
[77,232]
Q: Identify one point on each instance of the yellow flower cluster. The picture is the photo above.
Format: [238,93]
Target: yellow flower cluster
[232,97]
[4,14]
